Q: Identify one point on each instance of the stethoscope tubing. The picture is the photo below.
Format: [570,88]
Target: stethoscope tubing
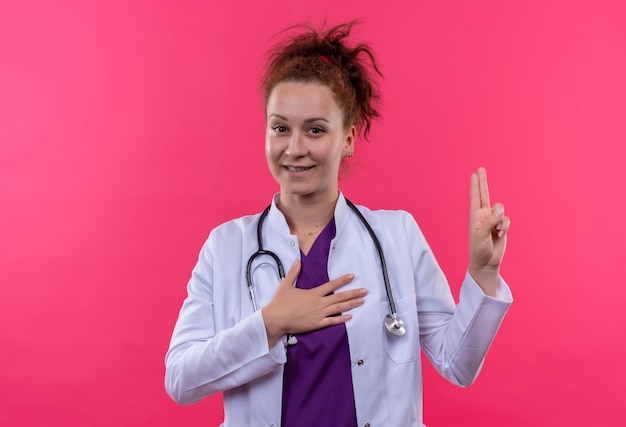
[379,249]
[260,252]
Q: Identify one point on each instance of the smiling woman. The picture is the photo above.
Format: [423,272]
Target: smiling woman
[311,348]
[305,142]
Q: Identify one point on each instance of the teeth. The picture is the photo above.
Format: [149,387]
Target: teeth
[290,169]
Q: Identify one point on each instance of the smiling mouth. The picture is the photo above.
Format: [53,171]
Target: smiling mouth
[297,169]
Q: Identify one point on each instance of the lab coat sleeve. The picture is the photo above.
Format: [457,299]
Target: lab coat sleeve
[455,338]
[202,359]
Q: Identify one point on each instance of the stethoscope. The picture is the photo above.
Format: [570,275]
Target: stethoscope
[393,323]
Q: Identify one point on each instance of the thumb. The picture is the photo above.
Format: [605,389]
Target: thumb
[292,274]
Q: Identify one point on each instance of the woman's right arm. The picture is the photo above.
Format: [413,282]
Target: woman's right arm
[202,359]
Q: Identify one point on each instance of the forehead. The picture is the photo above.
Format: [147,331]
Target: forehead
[302,100]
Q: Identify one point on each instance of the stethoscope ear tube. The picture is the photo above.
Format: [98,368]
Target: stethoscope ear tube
[261,251]
[281,272]
[249,281]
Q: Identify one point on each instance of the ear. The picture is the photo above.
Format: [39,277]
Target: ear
[350,139]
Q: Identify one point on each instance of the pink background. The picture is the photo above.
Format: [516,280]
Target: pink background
[129,129]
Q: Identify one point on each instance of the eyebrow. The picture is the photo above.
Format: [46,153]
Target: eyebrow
[312,119]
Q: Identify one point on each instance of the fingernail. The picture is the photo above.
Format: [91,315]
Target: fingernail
[360,301]
[351,276]
[363,292]
[499,226]
[500,233]
[498,213]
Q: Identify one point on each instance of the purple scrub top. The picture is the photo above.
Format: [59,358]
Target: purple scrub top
[317,379]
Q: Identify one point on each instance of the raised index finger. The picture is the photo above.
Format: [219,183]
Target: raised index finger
[479,191]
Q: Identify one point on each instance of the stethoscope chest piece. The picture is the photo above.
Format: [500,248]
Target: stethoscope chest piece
[395,325]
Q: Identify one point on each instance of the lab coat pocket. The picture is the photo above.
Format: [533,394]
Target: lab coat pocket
[405,348]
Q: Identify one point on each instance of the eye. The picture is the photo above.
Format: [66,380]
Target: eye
[279,128]
[316,130]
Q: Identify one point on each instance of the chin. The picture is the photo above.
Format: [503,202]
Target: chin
[297,192]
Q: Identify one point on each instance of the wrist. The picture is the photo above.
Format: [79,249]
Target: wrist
[487,278]
[273,331]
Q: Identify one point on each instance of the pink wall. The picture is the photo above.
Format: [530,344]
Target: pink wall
[128,131]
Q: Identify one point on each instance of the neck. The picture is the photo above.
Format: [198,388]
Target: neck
[307,216]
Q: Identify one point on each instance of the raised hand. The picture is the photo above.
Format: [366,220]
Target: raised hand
[488,228]
[294,310]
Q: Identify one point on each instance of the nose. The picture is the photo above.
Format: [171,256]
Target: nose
[297,146]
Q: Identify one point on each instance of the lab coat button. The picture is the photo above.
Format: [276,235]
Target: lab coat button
[360,362]
[366,425]
[293,243]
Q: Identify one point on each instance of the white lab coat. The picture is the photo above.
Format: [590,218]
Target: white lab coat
[219,344]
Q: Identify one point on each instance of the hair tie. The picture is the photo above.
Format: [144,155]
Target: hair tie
[326,60]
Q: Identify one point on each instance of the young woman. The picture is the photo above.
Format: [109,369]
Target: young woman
[337,341]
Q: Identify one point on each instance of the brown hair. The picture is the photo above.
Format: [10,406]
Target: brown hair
[323,57]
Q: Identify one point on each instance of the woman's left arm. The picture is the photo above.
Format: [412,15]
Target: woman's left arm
[457,338]
[488,228]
